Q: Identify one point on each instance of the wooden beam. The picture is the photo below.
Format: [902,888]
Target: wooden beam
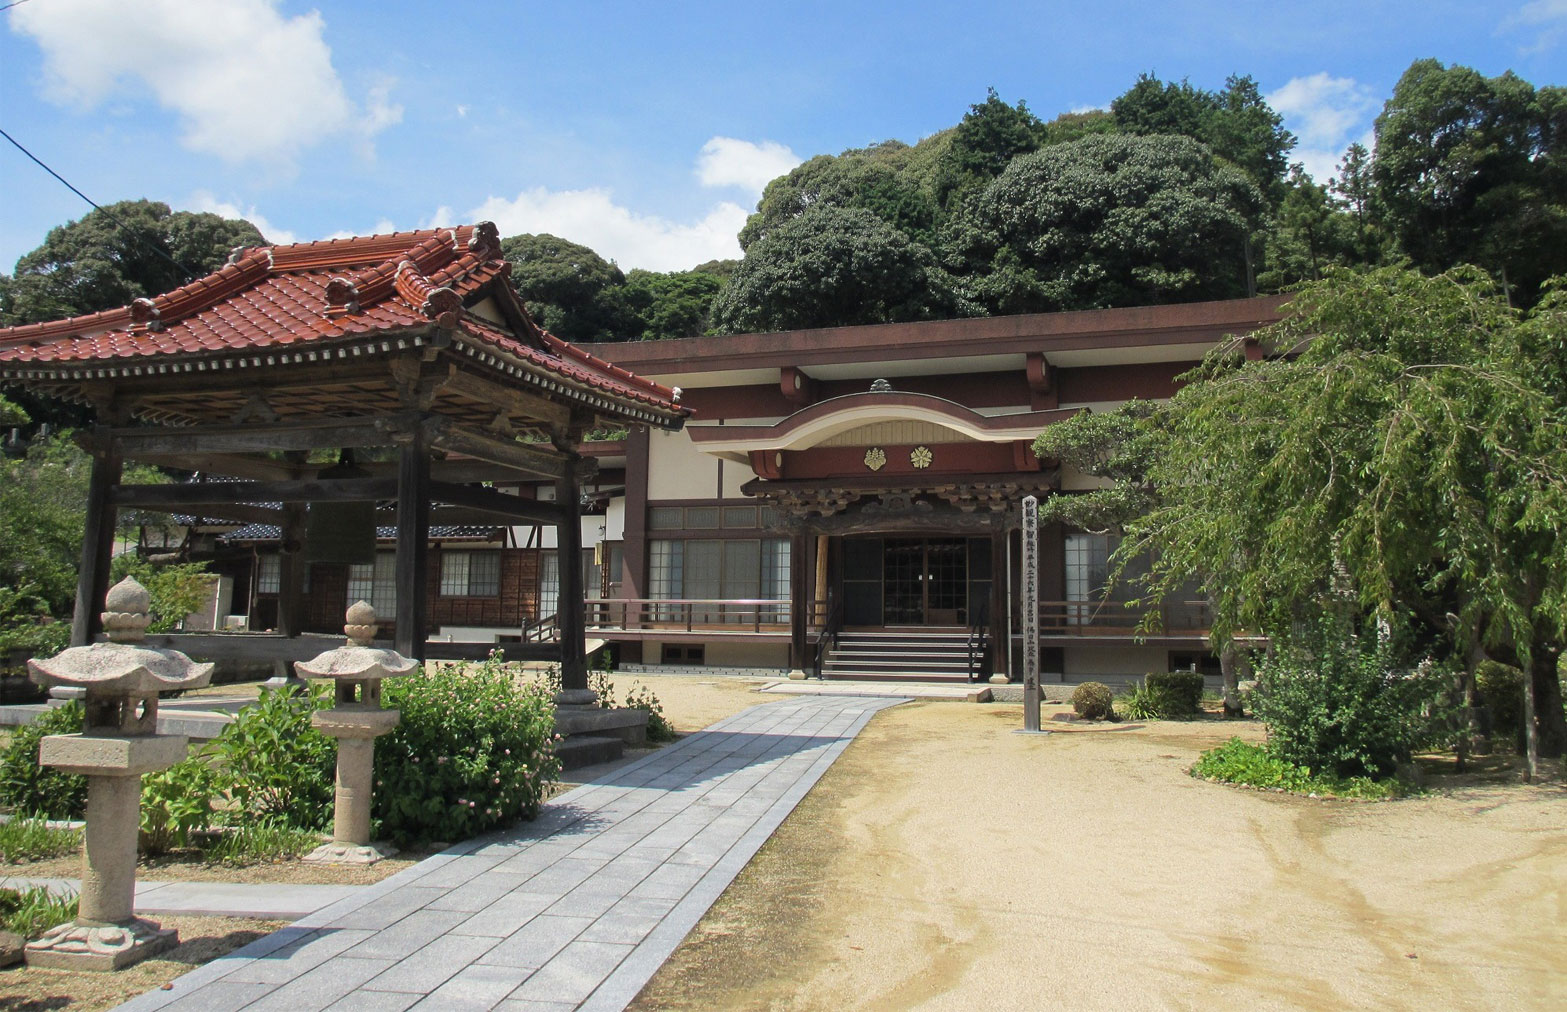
[322,433]
[223,492]
[487,500]
[242,513]
[515,402]
[529,459]
[229,465]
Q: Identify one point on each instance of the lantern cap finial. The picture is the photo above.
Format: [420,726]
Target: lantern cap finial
[125,611]
[360,624]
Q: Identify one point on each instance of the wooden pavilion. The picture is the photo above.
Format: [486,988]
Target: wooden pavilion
[413,341]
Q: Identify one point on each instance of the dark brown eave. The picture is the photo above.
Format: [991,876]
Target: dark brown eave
[1185,323]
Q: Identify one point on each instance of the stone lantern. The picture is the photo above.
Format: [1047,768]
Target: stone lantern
[119,742]
[356,719]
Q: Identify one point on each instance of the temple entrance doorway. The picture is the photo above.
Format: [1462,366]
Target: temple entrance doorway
[908,581]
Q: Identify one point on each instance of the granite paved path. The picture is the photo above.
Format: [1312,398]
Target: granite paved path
[576,909]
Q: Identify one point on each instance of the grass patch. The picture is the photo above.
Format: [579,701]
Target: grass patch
[31,839]
[32,911]
[1240,762]
[259,843]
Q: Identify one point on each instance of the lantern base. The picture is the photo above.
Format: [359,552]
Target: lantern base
[100,947]
[350,853]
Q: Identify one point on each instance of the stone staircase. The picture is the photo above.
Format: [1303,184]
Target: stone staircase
[913,655]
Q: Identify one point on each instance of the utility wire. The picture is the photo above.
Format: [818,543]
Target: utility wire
[8,6]
[186,271]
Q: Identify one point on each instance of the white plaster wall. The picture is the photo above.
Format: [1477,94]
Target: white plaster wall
[1073,480]
[615,519]
[678,470]
[735,475]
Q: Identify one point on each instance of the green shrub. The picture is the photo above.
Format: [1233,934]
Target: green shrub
[273,764]
[659,729]
[1145,702]
[1180,692]
[32,911]
[1241,762]
[1500,687]
[176,803]
[31,839]
[30,789]
[1340,703]
[1092,701]
[474,751]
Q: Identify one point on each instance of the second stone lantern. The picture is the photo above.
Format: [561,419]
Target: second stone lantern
[356,719]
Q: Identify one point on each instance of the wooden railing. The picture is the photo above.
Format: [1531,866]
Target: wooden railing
[545,630]
[1114,618]
[755,615]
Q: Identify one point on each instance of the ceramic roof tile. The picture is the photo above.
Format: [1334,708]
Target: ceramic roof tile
[279,296]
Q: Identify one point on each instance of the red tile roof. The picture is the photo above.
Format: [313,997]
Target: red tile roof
[281,297]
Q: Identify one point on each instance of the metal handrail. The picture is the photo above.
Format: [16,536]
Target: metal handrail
[828,637]
[978,640]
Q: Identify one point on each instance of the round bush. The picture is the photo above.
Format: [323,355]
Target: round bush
[1091,700]
[473,752]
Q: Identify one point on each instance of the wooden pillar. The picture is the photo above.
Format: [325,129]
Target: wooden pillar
[633,580]
[291,570]
[799,601]
[413,544]
[569,614]
[92,578]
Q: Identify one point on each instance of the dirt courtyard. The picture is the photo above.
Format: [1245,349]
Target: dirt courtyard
[946,863]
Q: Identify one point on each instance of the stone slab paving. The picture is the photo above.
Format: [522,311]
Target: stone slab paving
[215,899]
[575,910]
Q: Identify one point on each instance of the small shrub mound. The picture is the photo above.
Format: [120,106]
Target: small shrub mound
[1180,692]
[1241,762]
[659,729]
[30,789]
[32,911]
[274,765]
[31,839]
[1092,700]
[1144,702]
[474,751]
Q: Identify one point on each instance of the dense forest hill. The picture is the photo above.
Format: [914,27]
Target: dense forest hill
[1173,194]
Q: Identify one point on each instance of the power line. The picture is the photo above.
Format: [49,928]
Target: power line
[186,271]
[8,6]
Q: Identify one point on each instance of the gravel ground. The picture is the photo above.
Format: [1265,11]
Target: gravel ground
[947,863]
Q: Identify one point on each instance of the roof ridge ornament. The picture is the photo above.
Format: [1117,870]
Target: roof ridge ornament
[881,386]
[486,240]
[144,316]
[342,297]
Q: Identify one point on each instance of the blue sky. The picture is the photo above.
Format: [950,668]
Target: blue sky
[644,130]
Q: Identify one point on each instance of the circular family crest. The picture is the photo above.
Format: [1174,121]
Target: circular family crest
[921,457]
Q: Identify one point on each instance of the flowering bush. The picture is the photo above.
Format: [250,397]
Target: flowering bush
[474,751]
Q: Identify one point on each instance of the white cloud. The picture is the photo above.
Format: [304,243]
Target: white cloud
[725,161]
[247,83]
[204,201]
[1326,114]
[591,217]
[1544,20]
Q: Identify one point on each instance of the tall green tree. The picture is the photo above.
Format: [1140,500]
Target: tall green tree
[110,257]
[830,266]
[1473,169]
[1108,220]
[676,304]
[990,135]
[1311,231]
[1409,454]
[569,290]
[870,178]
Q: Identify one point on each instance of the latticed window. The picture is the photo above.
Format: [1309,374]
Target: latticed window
[470,574]
[269,574]
[549,584]
[375,582]
[1087,568]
